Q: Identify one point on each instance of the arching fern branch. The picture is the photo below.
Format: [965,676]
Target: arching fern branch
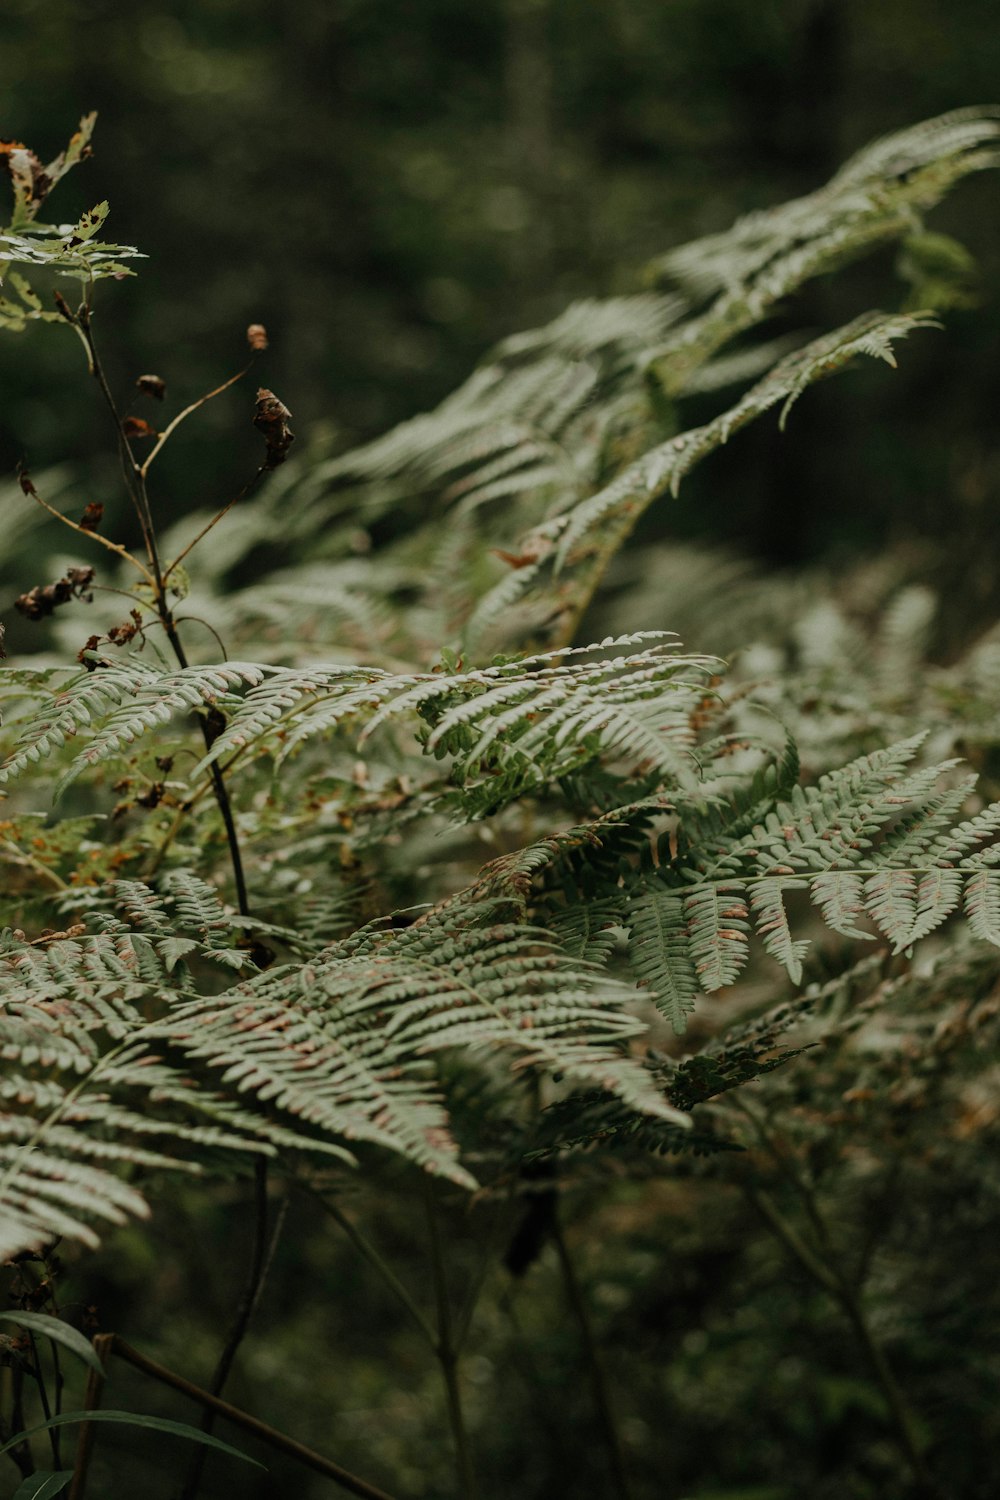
[505,729]
[110,1046]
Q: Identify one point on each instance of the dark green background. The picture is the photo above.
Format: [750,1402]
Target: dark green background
[392,186]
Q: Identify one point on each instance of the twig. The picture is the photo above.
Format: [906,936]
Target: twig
[173,425]
[131,469]
[91,1401]
[364,1245]
[247,489]
[595,1366]
[267,1434]
[93,536]
[448,1355]
[260,1259]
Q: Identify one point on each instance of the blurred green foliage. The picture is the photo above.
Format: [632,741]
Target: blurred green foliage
[390,188]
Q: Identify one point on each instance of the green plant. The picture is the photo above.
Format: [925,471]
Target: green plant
[434,901]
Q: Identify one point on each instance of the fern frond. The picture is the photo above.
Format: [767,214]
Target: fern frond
[660,953]
[771,921]
[982,905]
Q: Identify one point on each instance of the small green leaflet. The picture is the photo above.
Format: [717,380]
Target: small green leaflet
[130,1419]
[59,1332]
[41,1486]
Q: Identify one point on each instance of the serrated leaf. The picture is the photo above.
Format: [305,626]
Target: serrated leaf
[771,919]
[841,898]
[659,950]
[717,923]
[982,905]
[890,900]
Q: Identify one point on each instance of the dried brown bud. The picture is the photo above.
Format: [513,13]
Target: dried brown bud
[152,385]
[119,635]
[257,337]
[135,427]
[24,480]
[91,518]
[272,418]
[43,599]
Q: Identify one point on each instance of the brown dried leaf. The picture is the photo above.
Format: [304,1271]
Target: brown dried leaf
[271,418]
[152,385]
[40,601]
[92,515]
[137,428]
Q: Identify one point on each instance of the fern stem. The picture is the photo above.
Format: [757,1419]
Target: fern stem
[447,1355]
[43,1396]
[260,1259]
[131,470]
[241,1419]
[837,1285]
[595,1366]
[91,1401]
[219,788]
[364,1246]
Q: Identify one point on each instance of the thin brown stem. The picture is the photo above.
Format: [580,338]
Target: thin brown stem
[94,536]
[218,780]
[260,1257]
[91,1402]
[173,425]
[447,1355]
[595,1365]
[131,469]
[261,1430]
[247,489]
[364,1246]
[833,1281]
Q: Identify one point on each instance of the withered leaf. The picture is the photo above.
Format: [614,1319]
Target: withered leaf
[29,178]
[257,337]
[119,635]
[152,385]
[91,518]
[271,418]
[138,428]
[44,598]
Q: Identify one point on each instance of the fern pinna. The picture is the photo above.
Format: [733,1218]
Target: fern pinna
[468,857]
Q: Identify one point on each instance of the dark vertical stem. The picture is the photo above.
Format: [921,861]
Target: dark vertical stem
[135,483]
[840,1289]
[218,780]
[448,1356]
[91,1401]
[598,1377]
[43,1396]
[245,1308]
[21,1455]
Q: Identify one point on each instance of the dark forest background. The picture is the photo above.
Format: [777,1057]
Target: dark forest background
[392,187]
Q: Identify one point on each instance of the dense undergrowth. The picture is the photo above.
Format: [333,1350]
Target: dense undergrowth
[519,1024]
